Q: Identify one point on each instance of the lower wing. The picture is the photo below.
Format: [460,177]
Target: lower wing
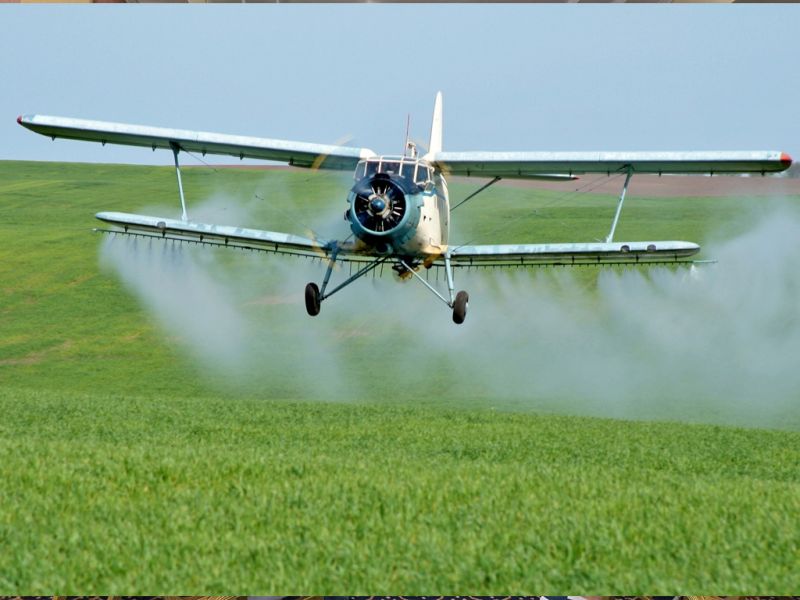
[511,255]
[227,236]
[505,255]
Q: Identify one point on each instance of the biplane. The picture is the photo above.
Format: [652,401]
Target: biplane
[398,208]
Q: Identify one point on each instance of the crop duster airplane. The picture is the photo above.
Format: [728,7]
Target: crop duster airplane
[399,209]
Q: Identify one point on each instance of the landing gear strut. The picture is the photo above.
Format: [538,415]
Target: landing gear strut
[458,302]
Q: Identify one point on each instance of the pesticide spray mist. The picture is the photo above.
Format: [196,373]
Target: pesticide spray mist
[718,343]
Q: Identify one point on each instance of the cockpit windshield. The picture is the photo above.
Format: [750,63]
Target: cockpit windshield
[410,168]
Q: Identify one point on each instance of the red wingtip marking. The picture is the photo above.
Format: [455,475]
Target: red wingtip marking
[19,119]
[786,159]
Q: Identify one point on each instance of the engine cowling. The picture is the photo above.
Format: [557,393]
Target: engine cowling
[384,210]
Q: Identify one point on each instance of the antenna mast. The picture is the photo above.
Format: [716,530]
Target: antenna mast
[405,142]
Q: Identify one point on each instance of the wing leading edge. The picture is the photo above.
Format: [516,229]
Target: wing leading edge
[299,154]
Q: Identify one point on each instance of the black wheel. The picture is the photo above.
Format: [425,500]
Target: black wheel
[312,299]
[460,307]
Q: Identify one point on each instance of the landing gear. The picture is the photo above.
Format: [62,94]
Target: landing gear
[312,299]
[460,306]
[458,302]
[315,296]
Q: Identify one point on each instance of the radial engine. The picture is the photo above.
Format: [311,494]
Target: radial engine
[384,210]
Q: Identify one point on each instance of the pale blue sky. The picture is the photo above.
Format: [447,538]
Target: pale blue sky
[516,77]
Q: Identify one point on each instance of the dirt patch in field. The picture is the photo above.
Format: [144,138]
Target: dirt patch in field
[352,332]
[80,280]
[275,299]
[34,358]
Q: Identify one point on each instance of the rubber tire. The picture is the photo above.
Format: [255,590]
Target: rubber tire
[460,307]
[312,299]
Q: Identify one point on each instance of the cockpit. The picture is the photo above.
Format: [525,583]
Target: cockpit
[411,168]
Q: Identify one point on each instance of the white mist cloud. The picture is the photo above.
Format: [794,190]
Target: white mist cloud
[175,285]
[717,343]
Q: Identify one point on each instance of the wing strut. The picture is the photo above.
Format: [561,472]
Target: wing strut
[610,236]
[175,149]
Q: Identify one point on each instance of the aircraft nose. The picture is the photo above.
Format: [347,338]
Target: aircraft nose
[377,205]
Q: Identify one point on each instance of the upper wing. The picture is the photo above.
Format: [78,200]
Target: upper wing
[572,254]
[528,164]
[228,236]
[299,154]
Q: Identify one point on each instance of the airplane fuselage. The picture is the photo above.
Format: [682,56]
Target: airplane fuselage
[399,206]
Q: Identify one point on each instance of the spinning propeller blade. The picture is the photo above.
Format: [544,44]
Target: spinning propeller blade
[342,141]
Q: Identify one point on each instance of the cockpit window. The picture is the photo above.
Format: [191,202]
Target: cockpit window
[422,174]
[360,168]
[390,166]
[372,168]
[408,170]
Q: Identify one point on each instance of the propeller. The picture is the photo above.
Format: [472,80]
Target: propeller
[318,247]
[342,141]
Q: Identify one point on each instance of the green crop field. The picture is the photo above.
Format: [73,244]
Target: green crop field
[172,421]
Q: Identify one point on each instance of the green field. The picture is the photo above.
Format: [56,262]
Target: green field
[153,442]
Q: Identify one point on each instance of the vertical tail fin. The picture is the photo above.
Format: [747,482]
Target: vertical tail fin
[435,144]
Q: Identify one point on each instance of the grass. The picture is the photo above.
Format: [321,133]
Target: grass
[124,493]
[128,466]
